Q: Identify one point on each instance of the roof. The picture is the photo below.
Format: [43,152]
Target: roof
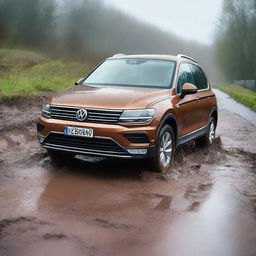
[177,58]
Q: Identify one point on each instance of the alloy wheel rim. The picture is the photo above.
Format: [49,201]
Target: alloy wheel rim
[212,133]
[166,149]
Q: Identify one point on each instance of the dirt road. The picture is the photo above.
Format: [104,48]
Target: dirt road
[93,206]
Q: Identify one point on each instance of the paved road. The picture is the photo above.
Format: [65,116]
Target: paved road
[205,206]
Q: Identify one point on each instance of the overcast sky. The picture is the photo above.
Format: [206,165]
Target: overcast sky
[189,19]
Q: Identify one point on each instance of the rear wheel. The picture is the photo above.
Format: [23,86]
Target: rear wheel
[164,149]
[209,137]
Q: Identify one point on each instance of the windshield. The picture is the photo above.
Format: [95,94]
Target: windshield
[133,72]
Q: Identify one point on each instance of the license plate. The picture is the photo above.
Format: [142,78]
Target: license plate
[77,131]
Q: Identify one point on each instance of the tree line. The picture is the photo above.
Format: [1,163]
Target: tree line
[236,39]
[88,30]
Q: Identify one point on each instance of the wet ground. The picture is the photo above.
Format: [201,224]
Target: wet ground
[94,206]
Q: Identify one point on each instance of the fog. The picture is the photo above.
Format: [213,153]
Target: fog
[191,20]
[90,30]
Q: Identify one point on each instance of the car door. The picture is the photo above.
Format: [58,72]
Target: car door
[187,108]
[203,95]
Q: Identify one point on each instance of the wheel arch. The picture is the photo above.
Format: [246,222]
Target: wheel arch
[171,120]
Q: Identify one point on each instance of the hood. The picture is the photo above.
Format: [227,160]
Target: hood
[109,97]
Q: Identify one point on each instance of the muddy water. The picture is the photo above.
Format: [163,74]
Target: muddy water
[95,206]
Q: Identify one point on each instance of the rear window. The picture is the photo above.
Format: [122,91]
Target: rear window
[133,72]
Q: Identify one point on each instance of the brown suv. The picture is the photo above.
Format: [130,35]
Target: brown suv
[131,106]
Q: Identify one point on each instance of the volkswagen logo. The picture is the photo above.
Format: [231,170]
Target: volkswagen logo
[81,114]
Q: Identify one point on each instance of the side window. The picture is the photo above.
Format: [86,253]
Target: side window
[185,76]
[199,77]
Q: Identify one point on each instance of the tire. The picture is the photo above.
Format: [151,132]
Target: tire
[60,157]
[165,146]
[209,137]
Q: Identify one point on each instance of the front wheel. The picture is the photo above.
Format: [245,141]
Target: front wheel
[164,149]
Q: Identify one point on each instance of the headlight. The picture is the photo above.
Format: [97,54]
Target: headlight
[137,116]
[46,110]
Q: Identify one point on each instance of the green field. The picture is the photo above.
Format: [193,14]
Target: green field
[240,94]
[25,73]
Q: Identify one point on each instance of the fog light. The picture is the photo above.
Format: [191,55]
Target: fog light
[138,151]
[40,127]
[41,139]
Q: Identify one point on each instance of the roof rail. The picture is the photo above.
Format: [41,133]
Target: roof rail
[118,55]
[186,57]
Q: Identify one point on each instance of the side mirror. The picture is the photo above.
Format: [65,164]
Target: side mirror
[188,88]
[78,81]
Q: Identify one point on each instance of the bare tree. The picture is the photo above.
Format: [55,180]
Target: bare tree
[236,42]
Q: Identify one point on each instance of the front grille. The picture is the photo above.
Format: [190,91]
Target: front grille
[83,145]
[94,115]
[137,137]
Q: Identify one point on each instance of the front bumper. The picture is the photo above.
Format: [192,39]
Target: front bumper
[108,140]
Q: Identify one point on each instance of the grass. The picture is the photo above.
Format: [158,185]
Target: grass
[243,95]
[28,73]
